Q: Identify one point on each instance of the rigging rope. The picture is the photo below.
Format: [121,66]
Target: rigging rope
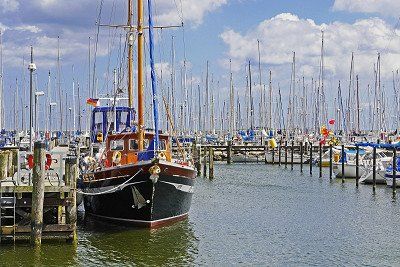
[118,187]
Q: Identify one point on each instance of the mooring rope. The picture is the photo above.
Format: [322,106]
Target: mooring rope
[112,189]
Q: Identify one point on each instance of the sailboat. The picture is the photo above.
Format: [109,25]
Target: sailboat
[137,181]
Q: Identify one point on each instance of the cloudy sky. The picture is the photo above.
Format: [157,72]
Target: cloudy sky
[215,30]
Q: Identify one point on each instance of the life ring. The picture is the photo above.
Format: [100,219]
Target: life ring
[99,137]
[30,161]
[48,162]
[47,165]
[336,157]
[107,163]
[116,158]
[162,155]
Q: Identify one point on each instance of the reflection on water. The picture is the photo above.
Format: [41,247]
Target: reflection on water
[248,215]
[117,244]
[49,254]
[101,243]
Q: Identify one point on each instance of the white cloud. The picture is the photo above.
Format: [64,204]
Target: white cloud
[384,7]
[8,5]
[285,33]
[29,28]
[191,10]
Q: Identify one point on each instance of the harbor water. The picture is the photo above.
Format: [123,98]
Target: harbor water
[248,215]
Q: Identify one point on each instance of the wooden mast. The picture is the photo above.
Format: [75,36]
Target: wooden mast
[140,73]
[130,55]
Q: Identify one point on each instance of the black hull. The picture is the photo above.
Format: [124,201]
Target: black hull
[140,201]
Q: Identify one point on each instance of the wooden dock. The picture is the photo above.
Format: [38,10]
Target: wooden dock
[41,206]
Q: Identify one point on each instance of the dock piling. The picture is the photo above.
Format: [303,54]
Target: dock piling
[301,157]
[205,162]
[320,160]
[330,161]
[286,155]
[280,152]
[374,169]
[357,165]
[394,170]
[266,153]
[292,156]
[343,157]
[198,160]
[39,156]
[211,163]
[229,153]
[71,176]
[311,159]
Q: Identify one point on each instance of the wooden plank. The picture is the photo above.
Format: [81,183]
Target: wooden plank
[49,228]
[48,202]
[28,189]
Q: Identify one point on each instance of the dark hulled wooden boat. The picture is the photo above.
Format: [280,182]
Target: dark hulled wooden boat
[139,188]
[135,180]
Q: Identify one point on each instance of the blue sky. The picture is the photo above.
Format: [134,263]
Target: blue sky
[215,31]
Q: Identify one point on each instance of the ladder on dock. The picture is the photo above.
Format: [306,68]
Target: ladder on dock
[7,214]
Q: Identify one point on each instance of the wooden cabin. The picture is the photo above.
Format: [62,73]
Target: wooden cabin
[122,148]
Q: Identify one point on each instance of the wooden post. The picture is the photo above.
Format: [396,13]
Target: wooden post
[205,162]
[211,163]
[266,153]
[198,160]
[320,160]
[311,159]
[229,153]
[301,157]
[394,171]
[39,156]
[292,156]
[273,156]
[286,155]
[357,165]
[374,169]
[280,152]
[330,161]
[71,176]
[245,154]
[343,155]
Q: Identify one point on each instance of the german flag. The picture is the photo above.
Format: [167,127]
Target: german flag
[93,102]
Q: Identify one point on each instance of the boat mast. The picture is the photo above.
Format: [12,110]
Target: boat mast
[140,73]
[358,106]
[261,121]
[59,83]
[130,55]
[231,102]
[251,100]
[31,68]
[270,100]
[1,80]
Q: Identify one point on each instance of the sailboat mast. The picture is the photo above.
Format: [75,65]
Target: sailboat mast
[130,55]
[32,68]
[140,41]
[358,107]
[261,87]
[1,80]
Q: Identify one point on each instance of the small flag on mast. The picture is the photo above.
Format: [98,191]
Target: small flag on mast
[93,102]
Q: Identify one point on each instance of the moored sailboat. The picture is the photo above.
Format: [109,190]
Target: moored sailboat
[136,180]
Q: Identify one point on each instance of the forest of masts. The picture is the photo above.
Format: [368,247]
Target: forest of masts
[250,99]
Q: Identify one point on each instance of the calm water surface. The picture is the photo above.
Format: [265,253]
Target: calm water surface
[249,215]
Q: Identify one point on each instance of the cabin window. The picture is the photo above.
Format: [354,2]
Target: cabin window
[163,145]
[98,121]
[117,145]
[145,143]
[123,120]
[133,144]
[111,120]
